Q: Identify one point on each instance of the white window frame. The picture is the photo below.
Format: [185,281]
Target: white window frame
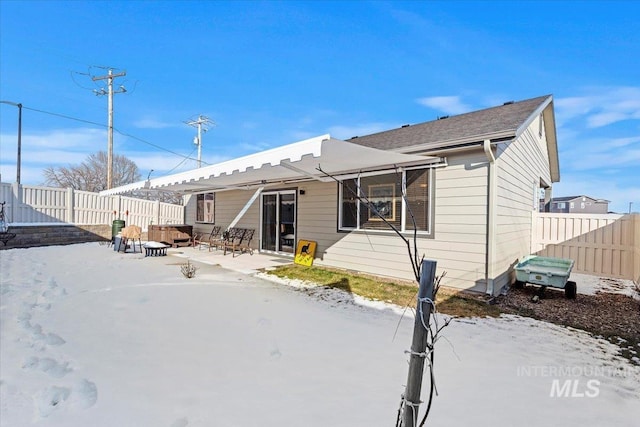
[403,206]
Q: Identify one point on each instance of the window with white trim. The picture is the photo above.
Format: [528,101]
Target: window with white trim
[205,208]
[366,200]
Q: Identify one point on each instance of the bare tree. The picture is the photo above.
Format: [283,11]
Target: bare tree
[91,175]
[172,197]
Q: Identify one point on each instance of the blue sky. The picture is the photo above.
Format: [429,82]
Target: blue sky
[275,72]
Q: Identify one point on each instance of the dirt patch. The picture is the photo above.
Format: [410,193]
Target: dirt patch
[615,317]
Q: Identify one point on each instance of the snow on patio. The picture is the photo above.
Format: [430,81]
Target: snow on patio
[90,337]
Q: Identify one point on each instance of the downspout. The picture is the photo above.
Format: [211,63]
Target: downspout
[491,223]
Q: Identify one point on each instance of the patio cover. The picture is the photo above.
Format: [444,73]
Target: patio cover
[290,163]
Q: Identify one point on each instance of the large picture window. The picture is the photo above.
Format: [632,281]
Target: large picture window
[205,208]
[365,201]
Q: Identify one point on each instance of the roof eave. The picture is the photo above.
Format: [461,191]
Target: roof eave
[546,109]
[457,144]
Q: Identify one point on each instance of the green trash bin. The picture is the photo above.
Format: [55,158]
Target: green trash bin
[118,224]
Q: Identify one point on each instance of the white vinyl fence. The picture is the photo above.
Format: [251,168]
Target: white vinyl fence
[602,244]
[48,205]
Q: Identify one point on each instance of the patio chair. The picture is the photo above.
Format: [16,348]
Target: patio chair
[225,237]
[243,244]
[200,239]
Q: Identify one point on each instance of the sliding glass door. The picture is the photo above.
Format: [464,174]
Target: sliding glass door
[278,225]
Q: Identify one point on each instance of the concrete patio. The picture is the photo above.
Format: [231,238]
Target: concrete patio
[242,263]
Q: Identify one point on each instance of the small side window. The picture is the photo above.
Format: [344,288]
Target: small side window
[205,208]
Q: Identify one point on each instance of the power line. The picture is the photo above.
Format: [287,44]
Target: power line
[125,134]
[181,162]
[64,116]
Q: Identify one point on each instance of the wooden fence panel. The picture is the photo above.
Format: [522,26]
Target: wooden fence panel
[602,244]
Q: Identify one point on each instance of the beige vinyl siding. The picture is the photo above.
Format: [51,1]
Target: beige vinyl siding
[459,235]
[521,165]
[317,214]
[227,205]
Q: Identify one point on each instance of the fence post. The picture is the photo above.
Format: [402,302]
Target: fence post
[419,343]
[70,206]
[157,212]
[16,189]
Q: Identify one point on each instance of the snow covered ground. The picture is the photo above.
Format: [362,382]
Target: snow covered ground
[590,285]
[90,337]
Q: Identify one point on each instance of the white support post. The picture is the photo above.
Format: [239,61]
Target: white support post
[246,207]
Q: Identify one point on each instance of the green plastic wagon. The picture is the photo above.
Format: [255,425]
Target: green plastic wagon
[546,271]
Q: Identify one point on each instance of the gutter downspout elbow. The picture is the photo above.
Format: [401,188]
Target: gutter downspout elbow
[491,182]
[487,151]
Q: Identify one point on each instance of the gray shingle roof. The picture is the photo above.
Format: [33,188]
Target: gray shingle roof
[501,119]
[570,198]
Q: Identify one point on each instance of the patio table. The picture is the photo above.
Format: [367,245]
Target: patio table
[155,249]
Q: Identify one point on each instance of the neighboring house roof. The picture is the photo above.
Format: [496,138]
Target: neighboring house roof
[497,123]
[571,198]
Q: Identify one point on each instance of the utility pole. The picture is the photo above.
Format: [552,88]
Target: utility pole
[19,105]
[109,77]
[201,123]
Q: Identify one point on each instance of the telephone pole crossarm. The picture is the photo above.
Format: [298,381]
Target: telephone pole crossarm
[201,123]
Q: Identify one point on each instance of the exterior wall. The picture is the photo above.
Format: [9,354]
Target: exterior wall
[459,236]
[521,165]
[559,207]
[590,206]
[227,205]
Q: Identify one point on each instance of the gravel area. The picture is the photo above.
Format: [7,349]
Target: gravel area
[609,308]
